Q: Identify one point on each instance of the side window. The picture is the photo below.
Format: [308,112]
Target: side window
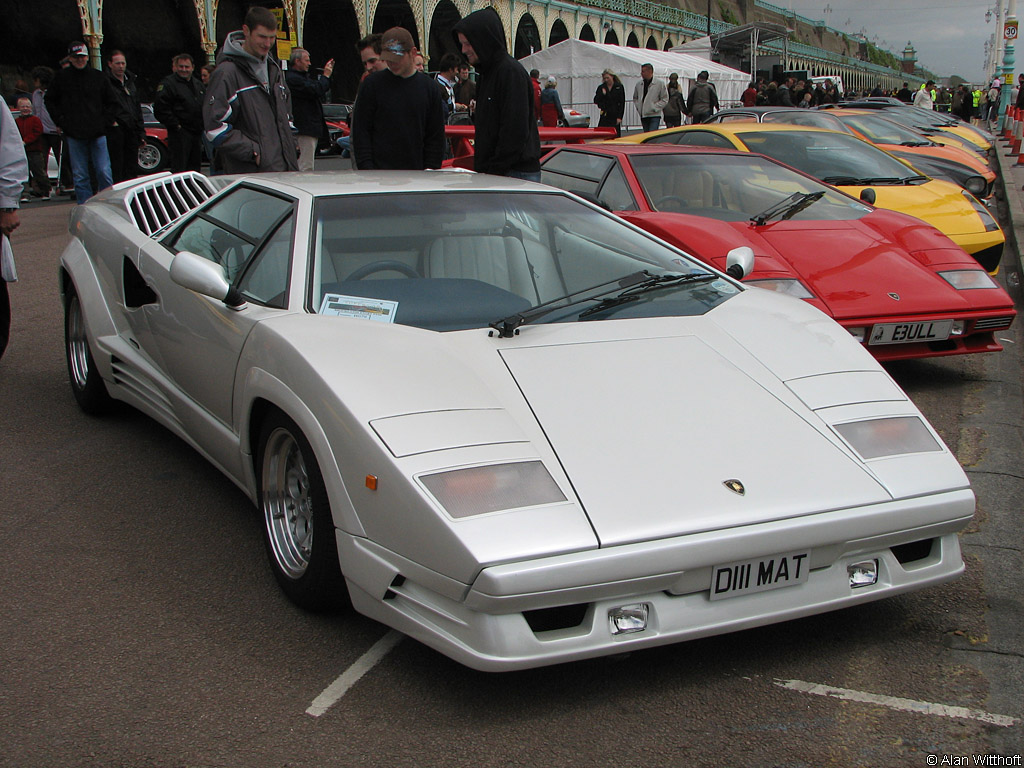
[232,228]
[705,139]
[265,281]
[615,192]
[667,138]
[576,172]
[568,183]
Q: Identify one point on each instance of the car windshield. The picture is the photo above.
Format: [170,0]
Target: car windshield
[463,260]
[734,187]
[835,158]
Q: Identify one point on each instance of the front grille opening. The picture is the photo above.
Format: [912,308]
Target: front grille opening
[990,257]
[559,617]
[942,346]
[914,551]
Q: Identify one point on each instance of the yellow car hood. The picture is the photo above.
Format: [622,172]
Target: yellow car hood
[940,203]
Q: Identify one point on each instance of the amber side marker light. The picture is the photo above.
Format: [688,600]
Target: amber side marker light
[371,482]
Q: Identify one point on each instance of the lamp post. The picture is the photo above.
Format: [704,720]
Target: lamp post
[1009,40]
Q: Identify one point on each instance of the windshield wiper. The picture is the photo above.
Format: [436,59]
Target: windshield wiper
[633,284]
[785,209]
[843,181]
[654,281]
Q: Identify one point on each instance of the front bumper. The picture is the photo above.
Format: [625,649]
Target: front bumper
[487,625]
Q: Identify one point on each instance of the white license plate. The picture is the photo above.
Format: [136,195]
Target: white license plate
[759,575]
[906,333]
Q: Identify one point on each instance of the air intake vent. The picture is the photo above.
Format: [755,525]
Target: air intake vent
[154,204]
[993,323]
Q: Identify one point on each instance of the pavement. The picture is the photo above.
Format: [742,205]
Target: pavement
[995,466]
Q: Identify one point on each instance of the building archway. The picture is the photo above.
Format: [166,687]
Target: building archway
[150,35]
[330,30]
[445,17]
[527,37]
[652,44]
[611,38]
[395,13]
[668,44]
[632,41]
[558,33]
[587,34]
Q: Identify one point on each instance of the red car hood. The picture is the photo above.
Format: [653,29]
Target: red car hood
[850,266]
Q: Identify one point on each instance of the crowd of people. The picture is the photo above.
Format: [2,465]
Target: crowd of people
[248,114]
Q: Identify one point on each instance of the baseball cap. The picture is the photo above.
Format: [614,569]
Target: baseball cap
[78,49]
[395,43]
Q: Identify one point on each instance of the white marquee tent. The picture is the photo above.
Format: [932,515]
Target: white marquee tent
[578,64]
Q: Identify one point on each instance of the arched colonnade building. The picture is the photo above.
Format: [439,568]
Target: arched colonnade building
[331,28]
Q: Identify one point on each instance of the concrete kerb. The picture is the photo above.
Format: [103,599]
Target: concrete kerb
[1012,176]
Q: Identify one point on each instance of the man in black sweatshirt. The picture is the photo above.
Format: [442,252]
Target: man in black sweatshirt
[398,117]
[507,142]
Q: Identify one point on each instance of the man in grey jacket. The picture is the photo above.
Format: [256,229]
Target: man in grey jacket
[247,112]
[650,97]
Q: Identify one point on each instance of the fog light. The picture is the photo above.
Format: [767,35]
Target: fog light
[859,333]
[628,618]
[958,328]
[862,574]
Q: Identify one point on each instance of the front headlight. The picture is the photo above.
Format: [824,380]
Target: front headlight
[492,488]
[888,436]
[976,185]
[790,287]
[968,279]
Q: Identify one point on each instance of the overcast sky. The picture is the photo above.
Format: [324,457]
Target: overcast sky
[949,35]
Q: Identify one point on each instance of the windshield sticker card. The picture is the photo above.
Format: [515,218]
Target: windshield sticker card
[380,310]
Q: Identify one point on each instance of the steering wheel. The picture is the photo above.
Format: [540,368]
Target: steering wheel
[390,265]
[674,202]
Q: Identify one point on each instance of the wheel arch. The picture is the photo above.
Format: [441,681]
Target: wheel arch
[265,394]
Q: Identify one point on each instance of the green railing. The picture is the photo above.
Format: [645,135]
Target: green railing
[665,14]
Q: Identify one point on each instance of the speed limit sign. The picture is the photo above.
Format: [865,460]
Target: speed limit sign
[1010,30]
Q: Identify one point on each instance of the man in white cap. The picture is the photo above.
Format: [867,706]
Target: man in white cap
[398,117]
[83,103]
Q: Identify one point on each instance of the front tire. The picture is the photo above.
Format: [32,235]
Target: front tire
[297,524]
[86,383]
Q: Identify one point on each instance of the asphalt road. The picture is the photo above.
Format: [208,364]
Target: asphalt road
[140,625]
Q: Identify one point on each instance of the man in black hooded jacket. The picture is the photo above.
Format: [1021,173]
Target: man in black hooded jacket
[507,142]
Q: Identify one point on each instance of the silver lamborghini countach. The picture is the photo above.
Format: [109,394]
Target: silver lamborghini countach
[501,420]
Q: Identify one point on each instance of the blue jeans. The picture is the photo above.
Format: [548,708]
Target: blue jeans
[650,123]
[82,151]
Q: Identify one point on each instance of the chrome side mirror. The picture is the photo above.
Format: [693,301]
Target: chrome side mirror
[739,262]
[205,277]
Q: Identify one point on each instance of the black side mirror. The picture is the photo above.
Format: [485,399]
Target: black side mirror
[868,195]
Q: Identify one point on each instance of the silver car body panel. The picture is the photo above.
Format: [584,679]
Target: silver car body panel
[639,423]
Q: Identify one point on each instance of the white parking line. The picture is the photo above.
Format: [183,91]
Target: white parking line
[907,705]
[333,693]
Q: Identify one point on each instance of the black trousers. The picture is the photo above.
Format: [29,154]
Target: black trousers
[123,148]
[186,150]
